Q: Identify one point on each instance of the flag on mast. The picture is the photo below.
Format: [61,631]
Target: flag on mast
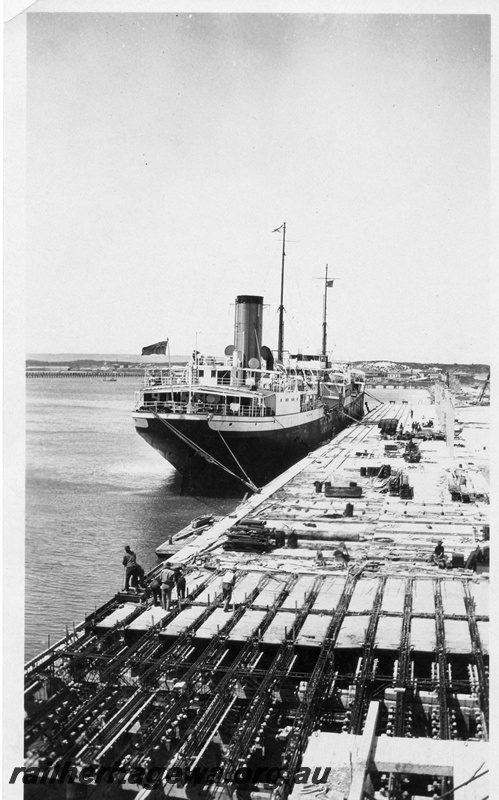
[329,283]
[155,349]
[278,229]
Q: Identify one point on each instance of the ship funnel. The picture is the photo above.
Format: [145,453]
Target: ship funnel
[248,328]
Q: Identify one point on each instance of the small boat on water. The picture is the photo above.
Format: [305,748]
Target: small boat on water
[240,420]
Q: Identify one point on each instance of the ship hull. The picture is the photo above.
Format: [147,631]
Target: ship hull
[255,449]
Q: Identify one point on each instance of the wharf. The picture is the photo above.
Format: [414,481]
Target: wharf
[343,649]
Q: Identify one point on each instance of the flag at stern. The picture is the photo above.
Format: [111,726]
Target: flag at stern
[155,349]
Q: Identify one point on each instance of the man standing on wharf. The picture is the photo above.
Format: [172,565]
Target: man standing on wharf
[129,561]
[227,586]
[167,584]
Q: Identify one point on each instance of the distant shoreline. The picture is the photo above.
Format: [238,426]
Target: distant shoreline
[102,358]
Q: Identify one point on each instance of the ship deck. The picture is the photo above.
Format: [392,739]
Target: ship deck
[343,649]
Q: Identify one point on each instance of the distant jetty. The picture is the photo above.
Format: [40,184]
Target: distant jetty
[93,368]
[84,373]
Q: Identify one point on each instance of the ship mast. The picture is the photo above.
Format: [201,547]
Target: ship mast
[280,344]
[327,285]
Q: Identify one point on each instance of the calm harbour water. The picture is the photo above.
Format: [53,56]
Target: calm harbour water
[92,486]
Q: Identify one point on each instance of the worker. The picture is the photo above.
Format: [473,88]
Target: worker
[137,577]
[129,559]
[167,583]
[153,587]
[319,558]
[342,554]
[438,556]
[180,585]
[227,587]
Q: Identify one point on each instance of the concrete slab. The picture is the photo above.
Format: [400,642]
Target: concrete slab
[457,636]
[212,591]
[314,630]
[282,622]
[247,625]
[268,595]
[330,593]
[195,579]
[469,761]
[352,632]
[424,756]
[147,619]
[245,586]
[423,635]
[388,633]
[453,597]
[299,593]
[393,596]
[118,615]
[363,595]
[479,591]
[483,632]
[329,751]
[214,625]
[423,597]
[183,620]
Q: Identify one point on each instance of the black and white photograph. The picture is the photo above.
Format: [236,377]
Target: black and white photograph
[247,336]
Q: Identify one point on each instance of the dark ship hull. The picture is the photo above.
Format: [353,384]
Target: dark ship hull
[258,451]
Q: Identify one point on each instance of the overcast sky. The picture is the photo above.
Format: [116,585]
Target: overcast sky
[163,149]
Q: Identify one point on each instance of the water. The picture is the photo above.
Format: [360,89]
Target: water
[92,486]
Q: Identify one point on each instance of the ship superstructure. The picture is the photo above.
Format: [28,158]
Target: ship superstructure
[247,416]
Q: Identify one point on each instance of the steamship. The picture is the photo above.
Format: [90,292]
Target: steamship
[242,419]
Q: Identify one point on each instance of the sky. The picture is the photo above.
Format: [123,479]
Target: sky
[163,149]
